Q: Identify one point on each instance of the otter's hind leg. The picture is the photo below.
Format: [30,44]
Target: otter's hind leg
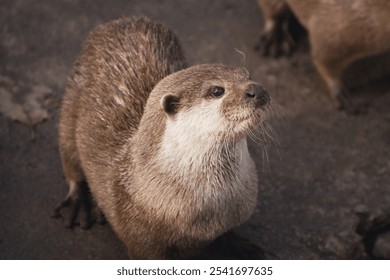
[78,205]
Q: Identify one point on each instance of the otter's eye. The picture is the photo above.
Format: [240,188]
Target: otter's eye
[217,91]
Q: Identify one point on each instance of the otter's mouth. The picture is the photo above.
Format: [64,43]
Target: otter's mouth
[249,119]
[254,114]
[254,120]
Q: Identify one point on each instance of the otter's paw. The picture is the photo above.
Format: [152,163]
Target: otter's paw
[78,207]
[276,42]
[374,228]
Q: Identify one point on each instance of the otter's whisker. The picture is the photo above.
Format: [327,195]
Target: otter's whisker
[243,61]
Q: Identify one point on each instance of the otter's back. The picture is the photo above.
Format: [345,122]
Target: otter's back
[119,65]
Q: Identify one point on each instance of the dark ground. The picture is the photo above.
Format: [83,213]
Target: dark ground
[325,165]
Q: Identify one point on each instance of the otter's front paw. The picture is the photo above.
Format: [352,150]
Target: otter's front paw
[276,42]
[79,208]
[374,228]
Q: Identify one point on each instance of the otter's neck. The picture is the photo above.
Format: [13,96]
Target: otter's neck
[201,158]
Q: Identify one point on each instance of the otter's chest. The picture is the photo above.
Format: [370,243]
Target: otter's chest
[216,205]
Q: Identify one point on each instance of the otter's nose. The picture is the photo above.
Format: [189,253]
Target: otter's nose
[257,94]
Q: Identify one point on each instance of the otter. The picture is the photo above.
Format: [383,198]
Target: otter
[340,33]
[162,146]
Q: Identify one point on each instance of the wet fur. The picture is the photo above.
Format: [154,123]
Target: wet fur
[168,165]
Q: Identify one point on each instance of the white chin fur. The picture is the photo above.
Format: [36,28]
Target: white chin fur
[195,136]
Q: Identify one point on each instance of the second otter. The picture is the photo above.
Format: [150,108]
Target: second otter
[163,148]
[340,33]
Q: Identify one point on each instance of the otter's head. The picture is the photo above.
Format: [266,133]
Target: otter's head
[202,112]
[212,100]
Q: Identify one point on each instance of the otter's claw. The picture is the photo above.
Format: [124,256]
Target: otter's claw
[275,43]
[80,208]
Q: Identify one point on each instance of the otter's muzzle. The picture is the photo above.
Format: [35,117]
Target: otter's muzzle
[257,95]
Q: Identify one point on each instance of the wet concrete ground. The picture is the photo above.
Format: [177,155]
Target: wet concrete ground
[322,168]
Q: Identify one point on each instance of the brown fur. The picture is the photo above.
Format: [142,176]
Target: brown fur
[340,32]
[111,135]
[275,39]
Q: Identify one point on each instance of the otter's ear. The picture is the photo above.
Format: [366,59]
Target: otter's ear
[170,104]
